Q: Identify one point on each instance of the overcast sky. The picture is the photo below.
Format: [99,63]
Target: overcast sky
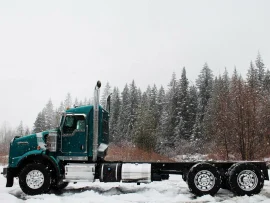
[49,48]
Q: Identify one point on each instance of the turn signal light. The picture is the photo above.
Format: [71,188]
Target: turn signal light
[38,147]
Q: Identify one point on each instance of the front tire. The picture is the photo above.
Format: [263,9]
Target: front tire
[245,179]
[35,179]
[203,179]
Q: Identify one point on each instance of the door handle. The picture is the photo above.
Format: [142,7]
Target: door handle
[82,147]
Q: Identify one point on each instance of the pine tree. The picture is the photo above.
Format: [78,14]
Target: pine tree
[144,135]
[39,124]
[162,118]
[205,85]
[139,96]
[106,93]
[80,103]
[68,101]
[50,121]
[20,129]
[182,129]
[172,104]
[115,114]
[58,114]
[90,101]
[260,70]
[163,128]
[61,107]
[123,122]
[252,76]
[76,102]
[225,82]
[266,82]
[160,101]
[27,131]
[193,108]
[85,102]
[132,107]
[153,106]
[218,117]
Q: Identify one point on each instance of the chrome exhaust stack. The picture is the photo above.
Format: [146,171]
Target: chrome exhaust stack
[95,124]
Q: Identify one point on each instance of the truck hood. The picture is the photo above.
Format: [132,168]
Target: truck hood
[31,139]
[22,145]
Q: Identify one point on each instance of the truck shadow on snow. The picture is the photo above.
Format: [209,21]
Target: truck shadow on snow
[224,194]
[108,192]
[71,191]
[120,190]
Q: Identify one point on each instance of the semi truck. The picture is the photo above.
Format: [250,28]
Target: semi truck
[76,150]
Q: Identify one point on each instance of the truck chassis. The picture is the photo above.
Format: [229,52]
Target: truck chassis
[242,178]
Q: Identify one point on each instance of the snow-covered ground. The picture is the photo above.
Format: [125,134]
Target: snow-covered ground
[172,190]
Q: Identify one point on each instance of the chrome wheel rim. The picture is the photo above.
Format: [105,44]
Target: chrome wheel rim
[247,180]
[34,179]
[204,180]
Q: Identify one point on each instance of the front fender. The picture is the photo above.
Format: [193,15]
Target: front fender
[16,161]
[39,156]
[13,169]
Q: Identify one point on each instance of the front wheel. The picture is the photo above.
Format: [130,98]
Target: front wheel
[203,179]
[35,179]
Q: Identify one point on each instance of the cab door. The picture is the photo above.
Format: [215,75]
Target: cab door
[73,138]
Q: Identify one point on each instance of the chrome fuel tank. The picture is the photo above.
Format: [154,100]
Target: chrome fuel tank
[136,172]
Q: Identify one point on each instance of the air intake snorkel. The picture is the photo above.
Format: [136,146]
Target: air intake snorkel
[95,126]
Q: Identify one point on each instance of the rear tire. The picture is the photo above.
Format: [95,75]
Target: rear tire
[203,179]
[245,179]
[35,179]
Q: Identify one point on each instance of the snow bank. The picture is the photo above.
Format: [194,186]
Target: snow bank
[191,157]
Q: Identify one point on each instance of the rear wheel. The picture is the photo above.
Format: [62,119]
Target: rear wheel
[203,179]
[245,179]
[35,179]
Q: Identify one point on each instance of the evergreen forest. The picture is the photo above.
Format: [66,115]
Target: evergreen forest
[227,116]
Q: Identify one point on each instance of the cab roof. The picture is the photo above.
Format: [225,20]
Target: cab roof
[80,109]
[83,109]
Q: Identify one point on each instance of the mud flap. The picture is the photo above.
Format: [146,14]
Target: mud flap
[10,179]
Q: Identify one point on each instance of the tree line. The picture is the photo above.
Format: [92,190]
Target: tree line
[224,115]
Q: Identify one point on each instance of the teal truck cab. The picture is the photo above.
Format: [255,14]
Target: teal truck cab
[75,152]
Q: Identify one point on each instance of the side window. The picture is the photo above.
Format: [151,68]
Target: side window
[81,125]
[73,123]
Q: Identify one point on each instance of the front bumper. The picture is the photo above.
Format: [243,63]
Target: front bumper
[8,173]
